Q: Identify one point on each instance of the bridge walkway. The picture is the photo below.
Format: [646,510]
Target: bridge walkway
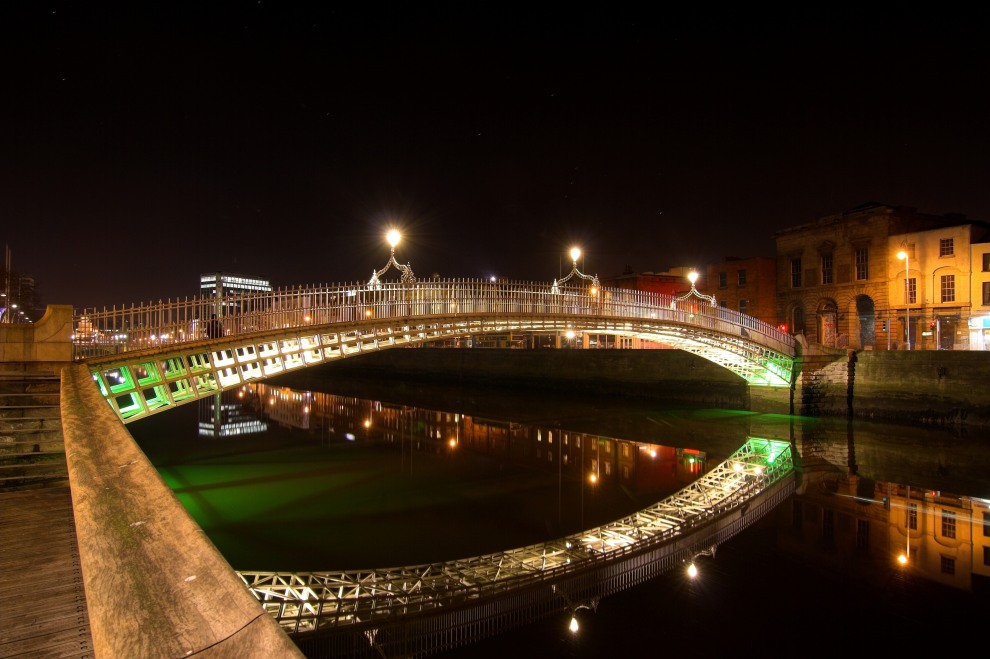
[43,610]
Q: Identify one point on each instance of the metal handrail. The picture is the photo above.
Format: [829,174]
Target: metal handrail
[155,325]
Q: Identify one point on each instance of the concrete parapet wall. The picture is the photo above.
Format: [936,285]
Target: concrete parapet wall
[155,584]
[48,340]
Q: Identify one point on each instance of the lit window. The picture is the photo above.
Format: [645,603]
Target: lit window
[945,246]
[912,292]
[948,524]
[948,288]
[862,264]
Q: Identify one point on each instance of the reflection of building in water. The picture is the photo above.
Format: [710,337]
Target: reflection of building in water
[865,526]
[637,467]
[287,407]
[230,413]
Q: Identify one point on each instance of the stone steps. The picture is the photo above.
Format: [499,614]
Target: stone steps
[32,446]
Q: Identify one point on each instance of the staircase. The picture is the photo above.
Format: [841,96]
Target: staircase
[32,448]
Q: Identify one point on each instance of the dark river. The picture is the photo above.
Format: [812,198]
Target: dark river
[352,474]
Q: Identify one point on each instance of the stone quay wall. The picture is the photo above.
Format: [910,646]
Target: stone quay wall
[939,388]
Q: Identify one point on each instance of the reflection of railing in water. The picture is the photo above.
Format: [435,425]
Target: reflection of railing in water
[493,592]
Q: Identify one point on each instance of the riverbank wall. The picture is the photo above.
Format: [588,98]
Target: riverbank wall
[937,388]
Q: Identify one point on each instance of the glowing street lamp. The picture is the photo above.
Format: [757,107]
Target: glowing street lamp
[575,255]
[693,278]
[903,256]
[393,237]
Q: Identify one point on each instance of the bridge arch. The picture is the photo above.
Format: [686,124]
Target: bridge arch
[148,359]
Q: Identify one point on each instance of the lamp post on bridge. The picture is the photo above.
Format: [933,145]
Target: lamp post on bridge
[693,277]
[575,255]
[593,290]
[407,277]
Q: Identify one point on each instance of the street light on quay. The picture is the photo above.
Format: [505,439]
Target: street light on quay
[903,256]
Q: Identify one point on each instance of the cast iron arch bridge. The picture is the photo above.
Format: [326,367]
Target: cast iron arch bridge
[151,357]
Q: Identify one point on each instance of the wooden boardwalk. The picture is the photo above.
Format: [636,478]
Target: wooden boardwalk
[42,597]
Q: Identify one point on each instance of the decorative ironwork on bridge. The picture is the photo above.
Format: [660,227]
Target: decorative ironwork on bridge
[575,255]
[407,276]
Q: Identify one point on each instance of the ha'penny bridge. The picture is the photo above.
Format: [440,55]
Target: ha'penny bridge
[128,363]
[149,358]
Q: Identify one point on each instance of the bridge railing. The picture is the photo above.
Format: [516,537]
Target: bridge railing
[100,332]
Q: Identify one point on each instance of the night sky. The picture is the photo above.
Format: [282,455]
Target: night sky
[145,143]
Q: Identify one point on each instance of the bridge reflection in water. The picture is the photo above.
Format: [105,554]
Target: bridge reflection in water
[427,608]
[542,578]
[404,629]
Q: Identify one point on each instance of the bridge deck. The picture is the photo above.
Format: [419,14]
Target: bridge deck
[42,599]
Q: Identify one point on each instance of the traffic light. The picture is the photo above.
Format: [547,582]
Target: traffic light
[931,325]
[782,327]
[884,325]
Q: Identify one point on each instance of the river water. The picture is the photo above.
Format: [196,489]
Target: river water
[361,474]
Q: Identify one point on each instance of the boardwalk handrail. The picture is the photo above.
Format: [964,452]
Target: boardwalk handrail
[158,325]
[311,601]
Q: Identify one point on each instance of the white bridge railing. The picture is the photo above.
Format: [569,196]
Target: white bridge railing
[114,330]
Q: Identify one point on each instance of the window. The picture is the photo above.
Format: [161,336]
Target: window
[828,525]
[912,291]
[986,262]
[827,274]
[948,288]
[947,565]
[742,277]
[948,524]
[862,533]
[912,517]
[862,264]
[986,293]
[986,525]
[723,280]
[986,555]
[744,306]
[795,273]
[945,247]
